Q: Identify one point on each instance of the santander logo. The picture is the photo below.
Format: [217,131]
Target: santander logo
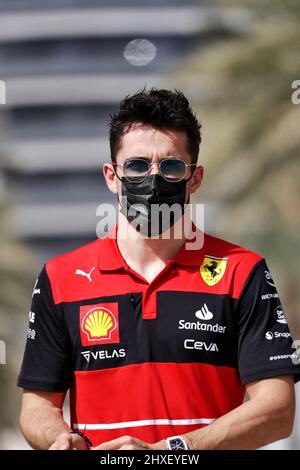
[204,313]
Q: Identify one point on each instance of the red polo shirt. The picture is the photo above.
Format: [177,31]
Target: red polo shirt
[155,359]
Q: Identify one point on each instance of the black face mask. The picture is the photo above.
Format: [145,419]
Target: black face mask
[144,198]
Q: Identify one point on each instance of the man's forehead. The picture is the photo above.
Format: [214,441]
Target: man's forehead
[140,135]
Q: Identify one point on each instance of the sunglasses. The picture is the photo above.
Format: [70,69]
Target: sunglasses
[137,169]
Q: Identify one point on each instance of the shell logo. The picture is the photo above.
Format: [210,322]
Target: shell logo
[98,324]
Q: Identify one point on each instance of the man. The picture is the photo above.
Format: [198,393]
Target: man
[157,341]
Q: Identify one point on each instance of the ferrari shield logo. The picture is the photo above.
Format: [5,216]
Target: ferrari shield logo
[212,269]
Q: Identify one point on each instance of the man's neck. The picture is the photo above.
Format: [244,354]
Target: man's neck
[146,256]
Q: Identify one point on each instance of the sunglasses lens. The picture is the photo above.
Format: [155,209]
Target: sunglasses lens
[136,169]
[172,170]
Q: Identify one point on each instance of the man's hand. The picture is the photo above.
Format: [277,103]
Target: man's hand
[129,443]
[67,441]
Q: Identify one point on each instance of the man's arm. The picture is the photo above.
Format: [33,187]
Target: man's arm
[42,423]
[267,417]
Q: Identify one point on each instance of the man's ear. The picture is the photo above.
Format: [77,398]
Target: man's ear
[110,177]
[196,179]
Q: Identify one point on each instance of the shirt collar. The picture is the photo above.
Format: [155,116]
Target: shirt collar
[110,258]
[192,251]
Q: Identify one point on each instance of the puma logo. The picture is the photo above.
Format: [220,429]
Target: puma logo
[83,273]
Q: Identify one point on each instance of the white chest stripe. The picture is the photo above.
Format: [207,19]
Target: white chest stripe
[144,422]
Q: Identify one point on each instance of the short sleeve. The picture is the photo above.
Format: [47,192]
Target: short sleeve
[265,344]
[46,364]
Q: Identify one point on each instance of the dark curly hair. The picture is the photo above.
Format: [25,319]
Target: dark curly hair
[162,109]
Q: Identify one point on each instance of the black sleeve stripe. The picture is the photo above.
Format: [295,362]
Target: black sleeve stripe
[47,357]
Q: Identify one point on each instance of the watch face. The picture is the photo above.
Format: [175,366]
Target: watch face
[177,444]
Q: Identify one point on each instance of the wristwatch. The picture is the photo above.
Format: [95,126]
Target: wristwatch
[88,443]
[176,443]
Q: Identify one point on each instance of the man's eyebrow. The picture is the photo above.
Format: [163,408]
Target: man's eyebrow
[171,157]
[149,158]
[140,157]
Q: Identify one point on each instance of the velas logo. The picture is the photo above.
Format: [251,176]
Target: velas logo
[212,269]
[99,324]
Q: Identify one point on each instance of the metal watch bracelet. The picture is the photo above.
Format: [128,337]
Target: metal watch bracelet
[87,441]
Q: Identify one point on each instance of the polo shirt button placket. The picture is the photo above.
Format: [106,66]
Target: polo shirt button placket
[149,309]
[149,303]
